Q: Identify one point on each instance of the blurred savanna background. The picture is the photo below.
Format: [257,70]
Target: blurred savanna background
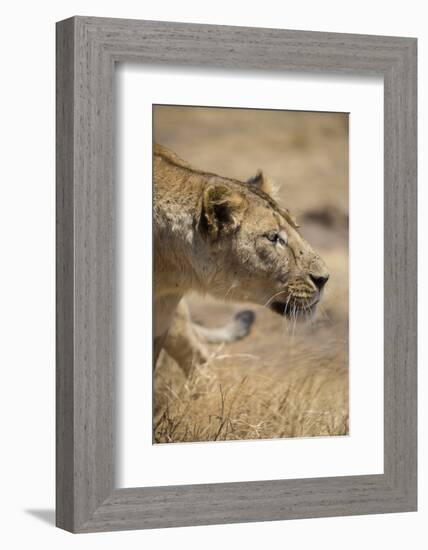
[283,380]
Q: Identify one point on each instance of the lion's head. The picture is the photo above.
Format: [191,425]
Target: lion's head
[257,253]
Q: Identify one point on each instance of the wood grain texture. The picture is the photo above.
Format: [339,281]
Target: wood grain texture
[87,49]
[64,277]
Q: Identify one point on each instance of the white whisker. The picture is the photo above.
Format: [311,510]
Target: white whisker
[232,286]
[274,296]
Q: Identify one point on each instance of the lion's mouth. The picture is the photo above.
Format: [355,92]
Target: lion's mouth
[293,310]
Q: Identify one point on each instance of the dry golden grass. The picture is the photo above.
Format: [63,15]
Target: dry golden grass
[237,396]
[280,381]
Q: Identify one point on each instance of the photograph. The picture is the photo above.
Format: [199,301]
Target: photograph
[210,267]
[250,274]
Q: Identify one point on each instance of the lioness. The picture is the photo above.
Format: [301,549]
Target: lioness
[229,239]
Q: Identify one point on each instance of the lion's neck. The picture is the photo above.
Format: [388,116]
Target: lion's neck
[176,212]
[182,261]
[174,239]
[174,270]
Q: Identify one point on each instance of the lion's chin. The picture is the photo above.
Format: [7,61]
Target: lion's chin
[293,311]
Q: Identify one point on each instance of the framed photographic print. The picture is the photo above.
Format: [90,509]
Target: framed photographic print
[236,274]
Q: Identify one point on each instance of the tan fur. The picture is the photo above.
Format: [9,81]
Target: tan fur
[226,238]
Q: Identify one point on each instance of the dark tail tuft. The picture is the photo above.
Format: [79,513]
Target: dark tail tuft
[246,317]
[236,329]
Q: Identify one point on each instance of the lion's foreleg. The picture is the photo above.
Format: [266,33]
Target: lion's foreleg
[182,342]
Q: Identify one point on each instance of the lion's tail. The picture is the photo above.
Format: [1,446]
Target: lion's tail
[236,329]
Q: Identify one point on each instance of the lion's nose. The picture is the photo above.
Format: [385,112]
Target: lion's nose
[319,280]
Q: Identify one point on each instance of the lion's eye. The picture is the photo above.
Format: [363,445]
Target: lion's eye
[272,237]
[275,238]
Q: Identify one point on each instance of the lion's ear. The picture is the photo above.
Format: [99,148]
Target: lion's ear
[264,183]
[222,209]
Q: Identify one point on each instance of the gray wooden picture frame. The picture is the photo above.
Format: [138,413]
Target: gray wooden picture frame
[87,50]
